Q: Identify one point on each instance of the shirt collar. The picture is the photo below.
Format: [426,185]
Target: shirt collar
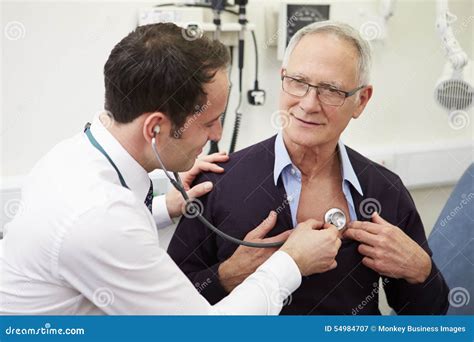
[133,173]
[348,173]
[282,160]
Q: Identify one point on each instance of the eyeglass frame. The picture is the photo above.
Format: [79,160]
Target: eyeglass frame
[309,86]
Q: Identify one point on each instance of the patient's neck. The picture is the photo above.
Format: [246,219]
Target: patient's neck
[314,162]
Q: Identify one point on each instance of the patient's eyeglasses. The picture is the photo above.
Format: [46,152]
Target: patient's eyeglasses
[326,94]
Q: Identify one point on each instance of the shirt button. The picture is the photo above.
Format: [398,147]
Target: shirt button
[290,198]
[293,171]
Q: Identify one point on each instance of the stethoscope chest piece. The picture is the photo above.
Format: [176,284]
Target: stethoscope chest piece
[336,217]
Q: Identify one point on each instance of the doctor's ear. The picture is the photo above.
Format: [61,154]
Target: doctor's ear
[154,124]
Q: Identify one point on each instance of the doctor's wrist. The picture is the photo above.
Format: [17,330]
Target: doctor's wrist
[174,204]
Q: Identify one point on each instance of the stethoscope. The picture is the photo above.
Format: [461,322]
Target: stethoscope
[334,216]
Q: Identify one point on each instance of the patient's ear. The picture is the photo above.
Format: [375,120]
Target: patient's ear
[364,97]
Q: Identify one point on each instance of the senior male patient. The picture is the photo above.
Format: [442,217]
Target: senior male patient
[301,173]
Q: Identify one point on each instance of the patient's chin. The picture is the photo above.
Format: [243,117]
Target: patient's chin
[305,138]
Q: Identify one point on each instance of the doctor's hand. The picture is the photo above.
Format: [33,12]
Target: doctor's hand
[245,260]
[174,200]
[313,245]
[389,251]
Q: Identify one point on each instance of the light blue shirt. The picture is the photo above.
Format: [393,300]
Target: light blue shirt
[291,177]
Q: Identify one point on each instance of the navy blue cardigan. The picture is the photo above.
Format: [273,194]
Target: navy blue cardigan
[243,196]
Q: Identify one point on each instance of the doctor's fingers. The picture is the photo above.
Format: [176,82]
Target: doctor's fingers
[200,189]
[218,157]
[330,229]
[310,224]
[208,164]
[200,166]
[334,230]
[332,234]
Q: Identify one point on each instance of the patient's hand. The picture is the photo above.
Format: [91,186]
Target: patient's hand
[389,251]
[245,260]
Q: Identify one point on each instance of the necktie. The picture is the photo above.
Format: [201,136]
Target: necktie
[149,197]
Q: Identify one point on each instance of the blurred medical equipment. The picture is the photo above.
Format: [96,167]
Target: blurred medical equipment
[191,17]
[454,90]
[296,14]
[238,114]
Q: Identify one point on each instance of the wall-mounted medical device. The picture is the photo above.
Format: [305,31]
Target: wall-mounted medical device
[454,90]
[205,18]
[296,15]
[189,17]
[371,17]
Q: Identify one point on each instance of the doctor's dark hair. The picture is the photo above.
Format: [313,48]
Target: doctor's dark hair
[160,68]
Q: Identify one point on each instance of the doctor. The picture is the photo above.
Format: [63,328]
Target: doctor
[85,241]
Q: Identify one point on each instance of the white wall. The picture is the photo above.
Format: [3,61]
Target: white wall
[51,80]
[51,84]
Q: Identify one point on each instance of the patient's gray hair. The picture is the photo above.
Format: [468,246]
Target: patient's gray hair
[343,31]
